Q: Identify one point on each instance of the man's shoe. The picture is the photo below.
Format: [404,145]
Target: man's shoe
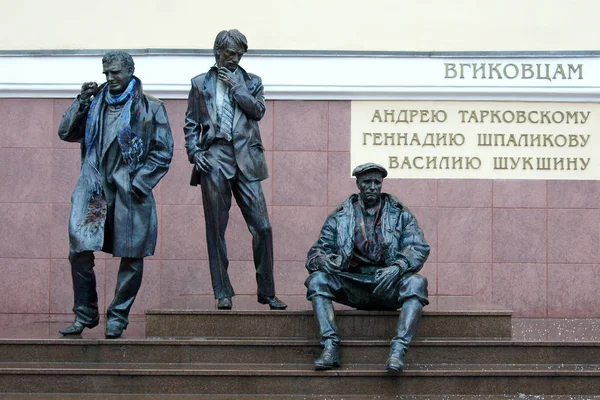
[224,303]
[329,358]
[114,331]
[395,364]
[273,302]
[76,328]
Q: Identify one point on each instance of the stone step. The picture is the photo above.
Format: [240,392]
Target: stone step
[301,324]
[255,379]
[290,351]
[84,396]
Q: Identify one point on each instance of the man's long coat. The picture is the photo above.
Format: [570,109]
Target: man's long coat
[132,229]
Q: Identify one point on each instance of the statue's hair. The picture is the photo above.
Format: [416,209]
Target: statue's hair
[229,38]
[117,55]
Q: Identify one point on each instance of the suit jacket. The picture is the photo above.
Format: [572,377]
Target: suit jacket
[201,122]
[403,244]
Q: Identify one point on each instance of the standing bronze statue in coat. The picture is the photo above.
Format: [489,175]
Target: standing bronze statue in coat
[367,256]
[126,148]
[223,142]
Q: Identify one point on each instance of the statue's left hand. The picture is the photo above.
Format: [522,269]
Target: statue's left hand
[386,279]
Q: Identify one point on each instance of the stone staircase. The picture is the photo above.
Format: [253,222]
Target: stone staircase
[461,352]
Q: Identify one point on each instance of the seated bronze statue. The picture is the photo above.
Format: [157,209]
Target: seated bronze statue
[368,256]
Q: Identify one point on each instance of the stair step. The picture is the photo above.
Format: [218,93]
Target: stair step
[68,396]
[434,379]
[301,324]
[287,351]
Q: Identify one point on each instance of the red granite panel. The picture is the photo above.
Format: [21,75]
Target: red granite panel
[413,192]
[573,194]
[176,111]
[464,235]
[340,184]
[242,275]
[184,278]
[66,166]
[520,193]
[60,106]
[25,230]
[464,193]
[176,187]
[300,125]
[61,286]
[266,126]
[296,230]
[149,293]
[339,125]
[59,234]
[25,175]
[455,279]
[520,287]
[573,236]
[26,122]
[482,282]
[519,235]
[299,178]
[573,291]
[427,218]
[290,277]
[182,235]
[473,279]
[24,285]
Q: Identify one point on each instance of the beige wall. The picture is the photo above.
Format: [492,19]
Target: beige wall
[386,25]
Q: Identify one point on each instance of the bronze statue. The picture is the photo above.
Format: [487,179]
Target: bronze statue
[367,256]
[224,144]
[126,148]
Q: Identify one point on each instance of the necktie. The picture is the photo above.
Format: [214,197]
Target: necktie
[227,116]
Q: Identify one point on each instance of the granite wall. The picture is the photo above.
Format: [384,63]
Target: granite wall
[529,245]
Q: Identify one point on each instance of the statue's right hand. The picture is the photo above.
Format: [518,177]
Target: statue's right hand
[89,89]
[201,162]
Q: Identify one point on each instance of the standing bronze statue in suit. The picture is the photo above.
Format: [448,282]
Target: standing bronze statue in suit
[126,148]
[368,256]
[223,142]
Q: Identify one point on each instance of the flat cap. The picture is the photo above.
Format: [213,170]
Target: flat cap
[362,168]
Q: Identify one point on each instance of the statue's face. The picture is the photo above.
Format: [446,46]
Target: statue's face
[369,185]
[229,57]
[117,76]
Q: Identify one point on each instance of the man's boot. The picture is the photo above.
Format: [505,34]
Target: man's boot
[330,339]
[84,293]
[407,325]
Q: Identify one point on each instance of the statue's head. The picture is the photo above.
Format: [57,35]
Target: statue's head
[118,68]
[369,179]
[229,48]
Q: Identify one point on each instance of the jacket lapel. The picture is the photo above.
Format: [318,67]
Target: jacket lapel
[209,91]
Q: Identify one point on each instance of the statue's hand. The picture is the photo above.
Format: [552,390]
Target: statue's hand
[89,89]
[386,279]
[227,77]
[201,162]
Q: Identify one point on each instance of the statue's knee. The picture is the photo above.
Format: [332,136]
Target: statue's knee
[419,282]
[317,281]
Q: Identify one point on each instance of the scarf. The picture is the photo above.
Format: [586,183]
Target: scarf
[130,144]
